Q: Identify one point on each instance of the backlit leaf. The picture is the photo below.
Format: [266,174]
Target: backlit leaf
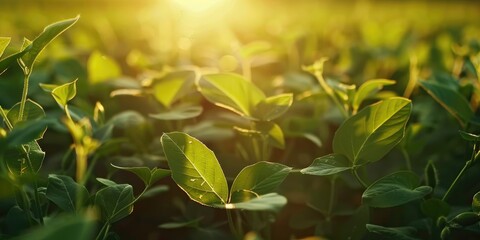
[257,179]
[328,165]
[373,132]
[32,111]
[268,202]
[368,89]
[173,86]
[195,168]
[64,93]
[4,41]
[273,107]
[395,189]
[179,113]
[102,68]
[231,91]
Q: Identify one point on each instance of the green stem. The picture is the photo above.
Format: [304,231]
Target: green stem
[355,173]
[231,225]
[24,96]
[460,174]
[408,161]
[101,231]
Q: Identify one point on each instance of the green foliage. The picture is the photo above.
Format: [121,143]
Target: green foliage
[395,189]
[101,68]
[328,165]
[115,202]
[66,193]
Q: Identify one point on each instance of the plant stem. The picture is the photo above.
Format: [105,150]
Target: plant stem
[231,224]
[329,91]
[460,174]
[355,173]
[331,200]
[24,96]
[101,231]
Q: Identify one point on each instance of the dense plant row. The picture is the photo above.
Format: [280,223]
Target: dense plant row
[382,175]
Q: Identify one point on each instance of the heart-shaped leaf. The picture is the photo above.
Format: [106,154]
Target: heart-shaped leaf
[257,179]
[4,41]
[195,169]
[371,133]
[268,202]
[451,100]
[18,158]
[41,41]
[66,193]
[395,189]
[115,202]
[102,68]
[368,89]
[173,87]
[328,165]
[64,93]
[273,107]
[179,113]
[231,91]
[398,233]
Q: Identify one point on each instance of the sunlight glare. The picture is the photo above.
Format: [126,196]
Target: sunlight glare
[197,5]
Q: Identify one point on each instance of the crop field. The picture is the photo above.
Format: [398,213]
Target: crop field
[239,119]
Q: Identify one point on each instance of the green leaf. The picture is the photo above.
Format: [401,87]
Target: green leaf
[368,89]
[173,87]
[38,44]
[32,111]
[469,136]
[268,202]
[115,202]
[451,100]
[174,225]
[26,132]
[274,133]
[273,107]
[195,169]
[145,174]
[370,134]
[257,179]
[231,91]
[65,192]
[4,41]
[48,87]
[15,221]
[398,233]
[101,68]
[431,174]
[476,202]
[64,93]
[435,208]
[395,189]
[106,182]
[327,165]
[8,61]
[179,113]
[151,192]
[76,227]
[17,159]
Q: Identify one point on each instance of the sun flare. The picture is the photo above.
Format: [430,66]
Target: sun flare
[198,5]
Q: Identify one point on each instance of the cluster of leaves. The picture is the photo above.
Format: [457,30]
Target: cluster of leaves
[369,127]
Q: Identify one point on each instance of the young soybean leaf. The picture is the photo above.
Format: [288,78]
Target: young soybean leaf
[451,100]
[8,61]
[4,41]
[397,233]
[115,202]
[370,134]
[431,175]
[327,165]
[476,202]
[101,68]
[179,113]
[257,179]
[106,182]
[173,86]
[268,202]
[187,223]
[148,176]
[231,91]
[64,93]
[273,107]
[195,169]
[64,192]
[368,89]
[38,44]
[395,189]
[151,192]
[26,132]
